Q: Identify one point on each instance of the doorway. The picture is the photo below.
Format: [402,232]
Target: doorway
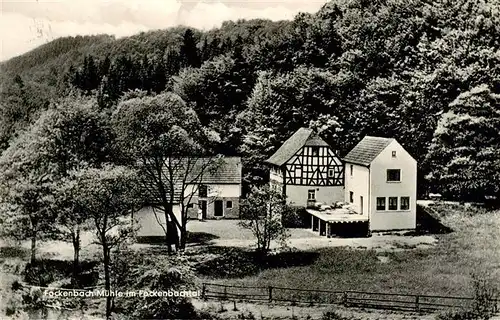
[218,208]
[361,207]
[203,207]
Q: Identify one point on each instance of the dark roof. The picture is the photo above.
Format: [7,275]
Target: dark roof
[367,150]
[302,137]
[226,170]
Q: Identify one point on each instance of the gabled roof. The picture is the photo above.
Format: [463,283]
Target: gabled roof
[208,170]
[367,150]
[227,170]
[302,137]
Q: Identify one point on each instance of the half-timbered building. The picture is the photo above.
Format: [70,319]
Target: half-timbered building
[307,170]
[377,193]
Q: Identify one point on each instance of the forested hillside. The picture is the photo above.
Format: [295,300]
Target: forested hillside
[424,72]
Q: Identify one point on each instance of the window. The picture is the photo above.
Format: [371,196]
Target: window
[315,151]
[351,196]
[190,206]
[393,175]
[202,191]
[331,173]
[351,168]
[311,194]
[229,204]
[394,154]
[405,203]
[393,203]
[380,203]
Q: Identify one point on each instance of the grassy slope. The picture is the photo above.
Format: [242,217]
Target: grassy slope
[443,270]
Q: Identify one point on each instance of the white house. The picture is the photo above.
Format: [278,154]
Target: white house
[375,189]
[381,182]
[307,170]
[208,193]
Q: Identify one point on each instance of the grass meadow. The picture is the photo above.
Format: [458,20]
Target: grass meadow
[445,269]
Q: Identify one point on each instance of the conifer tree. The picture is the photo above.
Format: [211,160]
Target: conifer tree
[189,52]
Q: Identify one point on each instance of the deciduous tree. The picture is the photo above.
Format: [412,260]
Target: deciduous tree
[464,154]
[24,200]
[262,212]
[108,196]
[164,139]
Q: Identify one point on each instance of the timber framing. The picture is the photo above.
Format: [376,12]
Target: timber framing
[314,166]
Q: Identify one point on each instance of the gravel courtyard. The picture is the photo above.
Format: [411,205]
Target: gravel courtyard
[228,233]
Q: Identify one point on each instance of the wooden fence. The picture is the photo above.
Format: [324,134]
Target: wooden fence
[394,301]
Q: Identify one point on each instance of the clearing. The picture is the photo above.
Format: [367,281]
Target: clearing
[436,265]
[227,233]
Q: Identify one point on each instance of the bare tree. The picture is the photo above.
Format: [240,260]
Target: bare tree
[179,179]
[164,139]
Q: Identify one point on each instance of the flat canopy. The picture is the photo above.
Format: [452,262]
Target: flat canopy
[338,215]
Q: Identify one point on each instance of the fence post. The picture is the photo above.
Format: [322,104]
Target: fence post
[344,298]
[225,293]
[204,291]
[417,303]
[270,294]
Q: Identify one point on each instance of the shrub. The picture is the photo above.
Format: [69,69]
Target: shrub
[14,266]
[41,274]
[233,263]
[483,306]
[262,213]
[159,273]
[206,315]
[295,218]
[485,295]
[44,272]
[14,306]
[21,300]
[246,315]
[332,315]
[457,315]
[13,252]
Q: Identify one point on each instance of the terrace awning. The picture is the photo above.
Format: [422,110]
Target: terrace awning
[338,216]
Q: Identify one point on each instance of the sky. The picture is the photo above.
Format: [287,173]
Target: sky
[26,24]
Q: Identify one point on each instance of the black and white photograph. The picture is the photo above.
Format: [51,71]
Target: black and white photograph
[250,159]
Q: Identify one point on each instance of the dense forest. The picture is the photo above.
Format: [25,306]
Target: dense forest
[424,72]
